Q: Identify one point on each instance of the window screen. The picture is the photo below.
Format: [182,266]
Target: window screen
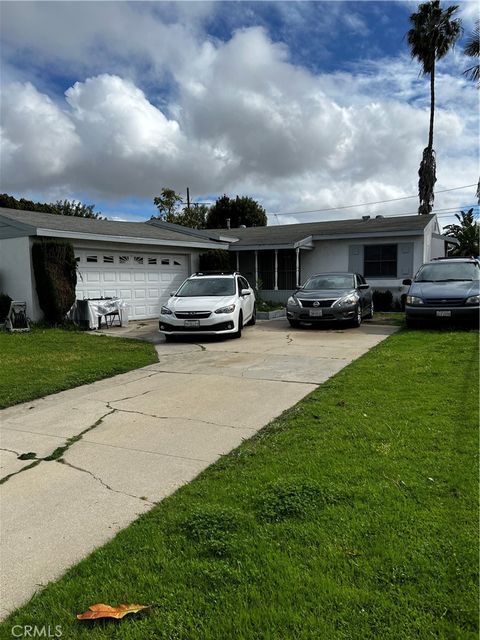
[380,260]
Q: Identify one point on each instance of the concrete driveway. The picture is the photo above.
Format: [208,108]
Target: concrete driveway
[124,443]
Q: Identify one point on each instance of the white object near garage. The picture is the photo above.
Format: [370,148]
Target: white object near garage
[143,280]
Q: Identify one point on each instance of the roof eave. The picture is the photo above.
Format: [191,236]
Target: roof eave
[75,235]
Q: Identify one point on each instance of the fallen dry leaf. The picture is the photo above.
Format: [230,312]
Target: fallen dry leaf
[106,611]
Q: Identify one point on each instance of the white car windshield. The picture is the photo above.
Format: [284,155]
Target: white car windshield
[318,283]
[448,271]
[200,287]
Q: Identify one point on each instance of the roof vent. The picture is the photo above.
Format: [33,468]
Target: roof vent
[365,218]
[378,217]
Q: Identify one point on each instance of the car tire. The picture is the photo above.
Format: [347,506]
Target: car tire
[369,316]
[168,338]
[253,319]
[238,332]
[294,324]
[357,321]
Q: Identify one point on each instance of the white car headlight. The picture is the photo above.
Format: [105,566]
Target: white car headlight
[473,300]
[292,301]
[165,311]
[346,301]
[414,300]
[229,309]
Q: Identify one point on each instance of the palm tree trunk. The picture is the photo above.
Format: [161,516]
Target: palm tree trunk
[432,106]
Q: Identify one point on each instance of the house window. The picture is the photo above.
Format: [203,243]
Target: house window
[108,259]
[165,261]
[91,258]
[123,259]
[152,261]
[380,261]
[138,259]
[177,264]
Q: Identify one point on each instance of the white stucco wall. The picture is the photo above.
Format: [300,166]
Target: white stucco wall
[332,255]
[16,273]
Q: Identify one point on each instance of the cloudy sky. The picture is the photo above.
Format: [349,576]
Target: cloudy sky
[305,106]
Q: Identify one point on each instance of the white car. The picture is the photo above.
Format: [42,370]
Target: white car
[209,303]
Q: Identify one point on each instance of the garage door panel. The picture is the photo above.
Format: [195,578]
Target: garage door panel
[143,281]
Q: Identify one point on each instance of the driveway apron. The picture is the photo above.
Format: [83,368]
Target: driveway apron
[119,446]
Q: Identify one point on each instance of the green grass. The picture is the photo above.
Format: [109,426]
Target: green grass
[354,515]
[45,361]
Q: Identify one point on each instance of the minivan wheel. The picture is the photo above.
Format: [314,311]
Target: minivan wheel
[238,332]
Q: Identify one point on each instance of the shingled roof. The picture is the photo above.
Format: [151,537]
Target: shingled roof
[36,223]
[289,234]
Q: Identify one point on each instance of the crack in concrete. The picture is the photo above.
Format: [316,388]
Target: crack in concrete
[151,453]
[154,415]
[59,451]
[10,451]
[215,373]
[104,484]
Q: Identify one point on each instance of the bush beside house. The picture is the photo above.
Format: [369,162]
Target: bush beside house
[55,272]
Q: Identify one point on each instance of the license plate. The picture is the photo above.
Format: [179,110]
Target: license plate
[315,313]
[444,314]
[191,323]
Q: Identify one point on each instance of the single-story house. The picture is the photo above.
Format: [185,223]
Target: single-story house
[142,262]
[385,250]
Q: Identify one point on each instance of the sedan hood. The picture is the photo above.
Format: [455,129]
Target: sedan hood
[320,294]
[454,289]
[207,303]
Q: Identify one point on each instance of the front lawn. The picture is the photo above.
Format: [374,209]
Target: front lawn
[45,361]
[352,516]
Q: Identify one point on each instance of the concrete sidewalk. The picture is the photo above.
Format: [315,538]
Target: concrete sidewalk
[125,443]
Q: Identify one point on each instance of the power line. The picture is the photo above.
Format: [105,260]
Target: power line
[364,204]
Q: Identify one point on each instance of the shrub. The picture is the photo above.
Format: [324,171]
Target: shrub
[382,300]
[215,260]
[4,306]
[55,272]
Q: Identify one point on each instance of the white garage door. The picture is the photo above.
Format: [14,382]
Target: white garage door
[143,280]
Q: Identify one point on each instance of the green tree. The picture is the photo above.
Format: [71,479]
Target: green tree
[472,50]
[241,210]
[74,208]
[194,216]
[61,207]
[168,205]
[467,232]
[433,33]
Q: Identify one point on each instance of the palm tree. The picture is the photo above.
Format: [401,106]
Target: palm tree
[466,232]
[432,35]
[472,49]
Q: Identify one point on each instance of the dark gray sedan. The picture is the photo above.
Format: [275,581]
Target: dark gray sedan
[344,297]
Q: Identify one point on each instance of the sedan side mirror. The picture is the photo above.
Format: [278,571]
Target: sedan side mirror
[245,292]
[407,282]
[363,286]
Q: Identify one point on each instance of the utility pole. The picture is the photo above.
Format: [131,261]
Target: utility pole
[188,198]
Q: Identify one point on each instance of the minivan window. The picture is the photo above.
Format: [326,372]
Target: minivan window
[448,271]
